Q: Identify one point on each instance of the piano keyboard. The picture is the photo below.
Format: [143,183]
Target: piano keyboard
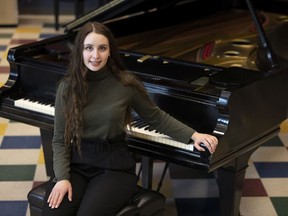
[35,106]
[138,129]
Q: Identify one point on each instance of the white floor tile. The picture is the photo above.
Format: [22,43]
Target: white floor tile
[276,187]
[257,206]
[19,129]
[19,156]
[270,154]
[15,190]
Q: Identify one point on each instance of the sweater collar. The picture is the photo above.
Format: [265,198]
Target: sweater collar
[98,75]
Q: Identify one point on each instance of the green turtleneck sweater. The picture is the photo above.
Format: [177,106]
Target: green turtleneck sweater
[104,116]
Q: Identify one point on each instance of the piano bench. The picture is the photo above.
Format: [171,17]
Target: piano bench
[145,202]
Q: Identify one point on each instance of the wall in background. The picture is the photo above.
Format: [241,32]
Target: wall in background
[45,7]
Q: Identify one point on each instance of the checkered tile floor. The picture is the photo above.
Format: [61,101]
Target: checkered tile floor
[188,192]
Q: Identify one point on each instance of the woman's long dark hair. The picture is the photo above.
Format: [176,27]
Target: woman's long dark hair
[75,98]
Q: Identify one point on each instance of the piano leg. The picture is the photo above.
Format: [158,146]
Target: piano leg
[46,138]
[147,171]
[230,179]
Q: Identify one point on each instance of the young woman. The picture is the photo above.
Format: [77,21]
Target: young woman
[94,171]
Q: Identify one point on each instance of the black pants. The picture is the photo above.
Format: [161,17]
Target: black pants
[104,194]
[96,191]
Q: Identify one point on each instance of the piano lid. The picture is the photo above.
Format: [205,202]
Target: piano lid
[168,12]
[120,8]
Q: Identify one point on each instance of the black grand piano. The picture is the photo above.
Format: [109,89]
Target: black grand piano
[242,106]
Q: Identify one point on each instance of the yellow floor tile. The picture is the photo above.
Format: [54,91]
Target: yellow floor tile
[22,30]
[284,127]
[41,157]
[3,129]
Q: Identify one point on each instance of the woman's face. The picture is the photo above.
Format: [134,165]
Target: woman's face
[96,51]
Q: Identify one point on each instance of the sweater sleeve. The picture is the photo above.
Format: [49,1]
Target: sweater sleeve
[61,153]
[159,119]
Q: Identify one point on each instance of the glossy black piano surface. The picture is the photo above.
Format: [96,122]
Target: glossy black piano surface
[203,68]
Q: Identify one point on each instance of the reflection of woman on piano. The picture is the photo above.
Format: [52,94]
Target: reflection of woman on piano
[93,106]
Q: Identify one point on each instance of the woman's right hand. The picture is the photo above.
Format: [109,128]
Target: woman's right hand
[58,192]
[208,140]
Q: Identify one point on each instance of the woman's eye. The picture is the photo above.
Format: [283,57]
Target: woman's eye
[102,48]
[88,48]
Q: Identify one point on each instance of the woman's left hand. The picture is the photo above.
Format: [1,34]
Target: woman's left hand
[208,140]
[58,192]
